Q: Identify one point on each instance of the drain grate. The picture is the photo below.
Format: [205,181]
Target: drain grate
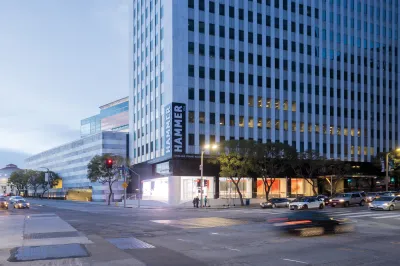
[129,243]
[52,235]
[48,252]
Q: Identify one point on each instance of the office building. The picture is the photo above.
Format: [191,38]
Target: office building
[112,117]
[316,74]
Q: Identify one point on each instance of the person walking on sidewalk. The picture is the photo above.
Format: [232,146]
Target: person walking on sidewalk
[205,201]
[197,201]
[194,202]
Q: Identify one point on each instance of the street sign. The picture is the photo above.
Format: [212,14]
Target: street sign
[124,185]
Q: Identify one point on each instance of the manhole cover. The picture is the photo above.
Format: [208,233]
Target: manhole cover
[129,243]
[52,235]
[48,252]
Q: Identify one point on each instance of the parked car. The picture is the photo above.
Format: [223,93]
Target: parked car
[275,203]
[387,203]
[347,199]
[13,199]
[324,198]
[371,196]
[305,203]
[3,203]
[390,193]
[21,204]
[311,223]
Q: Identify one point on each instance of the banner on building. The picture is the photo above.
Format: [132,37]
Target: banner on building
[175,129]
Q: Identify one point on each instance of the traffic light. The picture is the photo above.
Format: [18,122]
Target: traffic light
[109,163]
[206,183]
[198,183]
[392,179]
[349,180]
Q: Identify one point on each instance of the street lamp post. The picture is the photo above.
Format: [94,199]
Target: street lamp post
[138,184]
[387,168]
[46,178]
[206,147]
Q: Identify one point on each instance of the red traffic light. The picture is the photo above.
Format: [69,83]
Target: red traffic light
[109,163]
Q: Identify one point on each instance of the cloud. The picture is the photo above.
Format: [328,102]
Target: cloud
[14,157]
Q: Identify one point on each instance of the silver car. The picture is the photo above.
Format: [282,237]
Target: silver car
[387,203]
[275,203]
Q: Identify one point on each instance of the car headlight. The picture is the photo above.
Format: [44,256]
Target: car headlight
[20,204]
[341,200]
[330,200]
[27,204]
[384,204]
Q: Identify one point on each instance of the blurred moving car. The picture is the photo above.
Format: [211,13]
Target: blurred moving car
[3,203]
[21,204]
[14,199]
[305,203]
[311,223]
[387,203]
[275,203]
[390,193]
[347,199]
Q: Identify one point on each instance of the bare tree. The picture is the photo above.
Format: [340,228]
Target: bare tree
[271,161]
[339,170]
[308,165]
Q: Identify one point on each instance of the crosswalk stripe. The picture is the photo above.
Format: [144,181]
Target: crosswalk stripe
[387,216]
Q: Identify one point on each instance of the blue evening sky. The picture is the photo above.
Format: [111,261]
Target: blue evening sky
[59,61]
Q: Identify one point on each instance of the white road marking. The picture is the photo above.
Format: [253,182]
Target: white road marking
[302,262]
[234,249]
[387,216]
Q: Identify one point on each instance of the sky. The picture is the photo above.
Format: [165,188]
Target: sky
[59,61]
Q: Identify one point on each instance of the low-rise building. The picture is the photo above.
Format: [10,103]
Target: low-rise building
[5,173]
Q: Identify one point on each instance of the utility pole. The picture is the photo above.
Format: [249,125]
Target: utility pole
[139,186]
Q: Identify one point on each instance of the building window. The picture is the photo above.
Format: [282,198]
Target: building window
[191,116]
[191,94]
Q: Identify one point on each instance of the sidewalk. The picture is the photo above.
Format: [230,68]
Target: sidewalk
[120,205]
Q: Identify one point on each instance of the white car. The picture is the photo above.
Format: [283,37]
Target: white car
[14,199]
[305,203]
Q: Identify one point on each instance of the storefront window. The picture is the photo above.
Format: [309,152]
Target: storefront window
[190,187]
[227,190]
[297,185]
[155,189]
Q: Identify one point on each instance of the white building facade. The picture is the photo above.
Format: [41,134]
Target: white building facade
[316,74]
[70,162]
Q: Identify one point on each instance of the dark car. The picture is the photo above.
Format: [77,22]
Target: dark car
[3,203]
[310,223]
[21,204]
[275,203]
[323,198]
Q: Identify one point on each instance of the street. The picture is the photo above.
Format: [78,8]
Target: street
[94,234]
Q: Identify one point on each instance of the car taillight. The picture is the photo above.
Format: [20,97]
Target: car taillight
[274,220]
[298,222]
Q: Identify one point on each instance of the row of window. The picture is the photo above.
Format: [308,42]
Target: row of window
[371,99]
[240,77]
[202,142]
[240,14]
[258,59]
[269,125]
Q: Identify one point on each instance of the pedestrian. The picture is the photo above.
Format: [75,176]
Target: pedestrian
[194,202]
[205,201]
[197,201]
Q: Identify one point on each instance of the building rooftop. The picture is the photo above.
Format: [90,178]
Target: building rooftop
[111,104]
[10,167]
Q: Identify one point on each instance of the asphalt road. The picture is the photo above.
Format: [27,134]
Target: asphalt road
[237,236]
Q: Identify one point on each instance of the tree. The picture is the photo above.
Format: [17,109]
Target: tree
[271,161]
[18,180]
[53,179]
[34,180]
[236,160]
[308,165]
[98,172]
[339,170]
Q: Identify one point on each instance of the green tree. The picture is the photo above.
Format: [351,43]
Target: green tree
[34,180]
[19,181]
[271,161]
[236,161]
[98,172]
[308,165]
[53,180]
